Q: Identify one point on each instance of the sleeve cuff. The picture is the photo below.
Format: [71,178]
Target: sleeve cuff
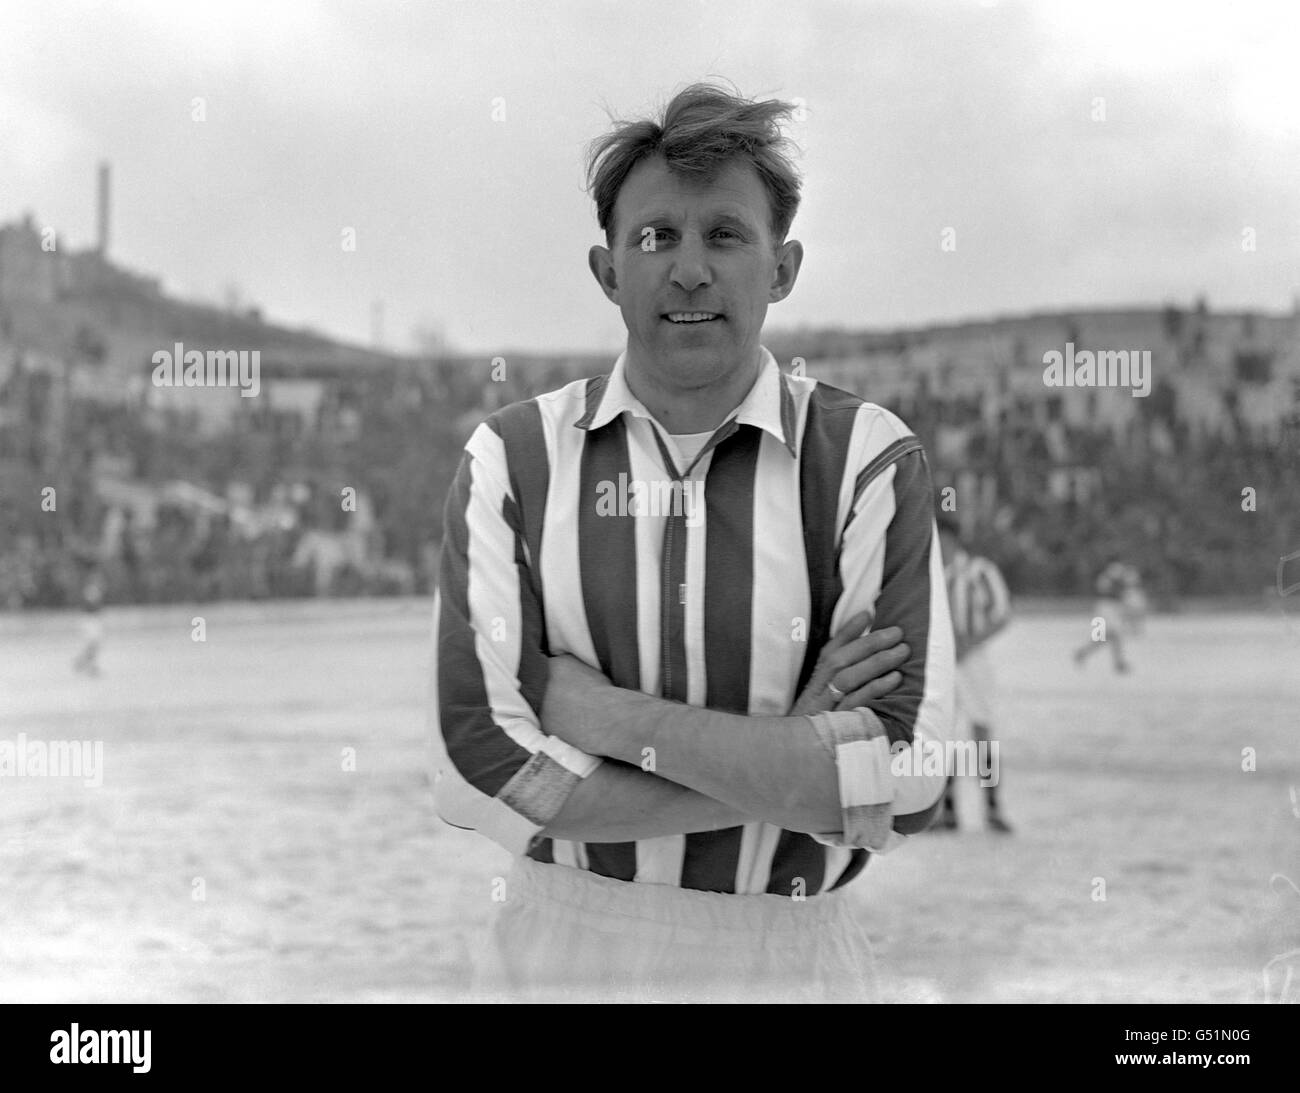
[540,787]
[522,808]
[891,841]
[857,742]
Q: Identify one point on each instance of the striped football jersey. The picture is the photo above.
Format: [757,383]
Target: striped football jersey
[570,529]
[978,599]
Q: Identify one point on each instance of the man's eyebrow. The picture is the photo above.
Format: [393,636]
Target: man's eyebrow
[657,218]
[732,220]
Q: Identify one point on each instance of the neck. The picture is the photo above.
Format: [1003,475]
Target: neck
[692,410]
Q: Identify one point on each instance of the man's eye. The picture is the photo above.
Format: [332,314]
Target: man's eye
[725,233]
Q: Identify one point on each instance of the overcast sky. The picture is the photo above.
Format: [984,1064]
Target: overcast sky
[919,117]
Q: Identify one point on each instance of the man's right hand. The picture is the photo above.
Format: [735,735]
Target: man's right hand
[860,665]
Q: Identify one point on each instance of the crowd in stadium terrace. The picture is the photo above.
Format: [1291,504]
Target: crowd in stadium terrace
[265,513]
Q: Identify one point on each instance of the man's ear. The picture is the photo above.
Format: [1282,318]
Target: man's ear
[601,263]
[789,257]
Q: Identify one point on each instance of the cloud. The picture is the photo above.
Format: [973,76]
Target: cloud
[379,117]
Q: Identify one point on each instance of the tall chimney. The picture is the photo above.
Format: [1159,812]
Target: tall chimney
[103,209]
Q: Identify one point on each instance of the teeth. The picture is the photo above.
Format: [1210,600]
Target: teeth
[692,316]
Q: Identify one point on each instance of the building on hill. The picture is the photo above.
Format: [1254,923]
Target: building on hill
[100,326]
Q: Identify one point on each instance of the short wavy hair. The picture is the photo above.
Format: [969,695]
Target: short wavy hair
[702,128]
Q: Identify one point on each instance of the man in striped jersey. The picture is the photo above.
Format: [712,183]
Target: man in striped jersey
[653,684]
[981,608]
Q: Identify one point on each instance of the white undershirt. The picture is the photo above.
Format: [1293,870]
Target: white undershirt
[689,446]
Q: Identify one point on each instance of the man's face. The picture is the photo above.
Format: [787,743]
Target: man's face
[681,249]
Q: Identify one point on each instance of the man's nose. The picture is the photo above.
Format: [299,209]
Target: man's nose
[690,265]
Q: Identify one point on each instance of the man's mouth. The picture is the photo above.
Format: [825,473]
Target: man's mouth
[692,316]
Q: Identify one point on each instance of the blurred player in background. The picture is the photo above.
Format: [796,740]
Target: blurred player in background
[981,607]
[1113,585]
[92,627]
[1133,602]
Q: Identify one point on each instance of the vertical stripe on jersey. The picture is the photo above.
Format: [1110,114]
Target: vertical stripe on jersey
[827,429]
[989,597]
[729,570]
[957,605]
[645,462]
[981,601]
[607,565]
[567,630]
[757,846]
[674,677]
[698,665]
[778,628]
[799,857]
[674,681]
[837,859]
[857,862]
[607,558]
[711,858]
[904,599]
[543,850]
[474,742]
[520,429]
[524,439]
[659,861]
[780,603]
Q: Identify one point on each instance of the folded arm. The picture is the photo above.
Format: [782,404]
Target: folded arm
[832,774]
[774,768]
[496,770]
[620,801]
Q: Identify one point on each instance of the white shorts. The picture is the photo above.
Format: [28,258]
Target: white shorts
[976,692]
[566,935]
[1113,612]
